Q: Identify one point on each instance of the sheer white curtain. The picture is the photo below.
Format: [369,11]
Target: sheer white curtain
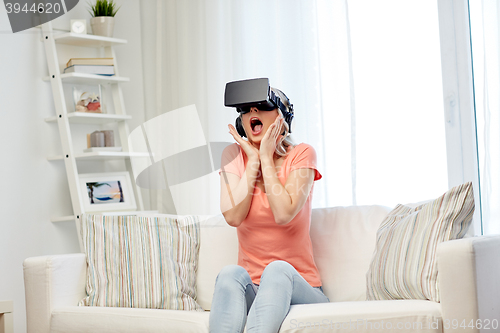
[369,112]
[192,48]
[485,34]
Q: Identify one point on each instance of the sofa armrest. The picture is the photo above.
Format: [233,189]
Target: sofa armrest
[51,282]
[469,271]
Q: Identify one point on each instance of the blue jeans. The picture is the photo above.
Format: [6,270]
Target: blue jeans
[266,306]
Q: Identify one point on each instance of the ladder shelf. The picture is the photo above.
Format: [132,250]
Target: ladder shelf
[65,119]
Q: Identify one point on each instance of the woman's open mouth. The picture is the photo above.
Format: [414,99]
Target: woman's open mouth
[256,125]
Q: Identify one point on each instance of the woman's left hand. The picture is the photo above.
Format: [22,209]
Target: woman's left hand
[268,143]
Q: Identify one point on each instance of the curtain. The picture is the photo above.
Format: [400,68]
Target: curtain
[192,48]
[364,78]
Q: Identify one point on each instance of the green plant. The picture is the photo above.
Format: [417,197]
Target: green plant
[103,8]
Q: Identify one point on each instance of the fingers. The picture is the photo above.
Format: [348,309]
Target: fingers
[273,128]
[273,131]
[231,129]
[243,143]
[234,133]
[278,123]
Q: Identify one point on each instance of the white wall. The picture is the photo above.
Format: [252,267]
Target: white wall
[32,189]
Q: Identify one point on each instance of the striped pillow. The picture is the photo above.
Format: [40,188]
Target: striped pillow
[404,262]
[141,262]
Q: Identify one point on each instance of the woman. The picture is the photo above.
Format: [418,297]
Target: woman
[266,192]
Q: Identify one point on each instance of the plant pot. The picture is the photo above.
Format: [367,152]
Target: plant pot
[102,25]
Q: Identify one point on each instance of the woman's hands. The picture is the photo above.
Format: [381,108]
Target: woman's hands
[268,143]
[248,148]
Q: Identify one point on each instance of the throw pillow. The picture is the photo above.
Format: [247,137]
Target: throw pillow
[141,261]
[404,264]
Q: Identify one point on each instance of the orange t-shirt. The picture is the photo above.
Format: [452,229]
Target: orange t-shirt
[261,240]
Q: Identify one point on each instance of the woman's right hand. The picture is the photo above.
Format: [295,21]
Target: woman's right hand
[248,148]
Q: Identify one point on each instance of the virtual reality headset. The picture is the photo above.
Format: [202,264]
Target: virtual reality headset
[257,93]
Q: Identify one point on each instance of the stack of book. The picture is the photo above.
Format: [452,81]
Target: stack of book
[100,66]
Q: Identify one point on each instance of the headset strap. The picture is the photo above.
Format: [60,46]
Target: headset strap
[279,104]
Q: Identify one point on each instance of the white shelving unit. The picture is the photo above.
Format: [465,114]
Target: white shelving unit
[64,119]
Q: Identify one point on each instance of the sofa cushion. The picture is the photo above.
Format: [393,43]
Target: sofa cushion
[404,265]
[79,319]
[343,240]
[141,261]
[218,248]
[367,316]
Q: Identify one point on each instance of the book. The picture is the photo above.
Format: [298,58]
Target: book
[90,61]
[91,69]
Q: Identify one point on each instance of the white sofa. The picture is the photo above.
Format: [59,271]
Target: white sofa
[343,240]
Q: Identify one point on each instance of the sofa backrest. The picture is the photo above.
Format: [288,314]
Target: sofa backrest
[343,241]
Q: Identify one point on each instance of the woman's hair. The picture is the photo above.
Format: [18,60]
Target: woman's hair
[285,141]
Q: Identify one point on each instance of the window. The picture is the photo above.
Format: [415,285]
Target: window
[485,36]
[383,102]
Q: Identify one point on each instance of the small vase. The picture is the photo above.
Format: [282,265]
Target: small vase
[103,25]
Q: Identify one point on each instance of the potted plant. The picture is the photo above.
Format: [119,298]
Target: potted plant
[103,17]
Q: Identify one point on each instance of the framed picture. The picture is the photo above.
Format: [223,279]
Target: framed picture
[107,191]
[88,98]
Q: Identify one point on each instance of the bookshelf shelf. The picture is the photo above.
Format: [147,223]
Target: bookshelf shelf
[91,118]
[85,40]
[100,155]
[83,78]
